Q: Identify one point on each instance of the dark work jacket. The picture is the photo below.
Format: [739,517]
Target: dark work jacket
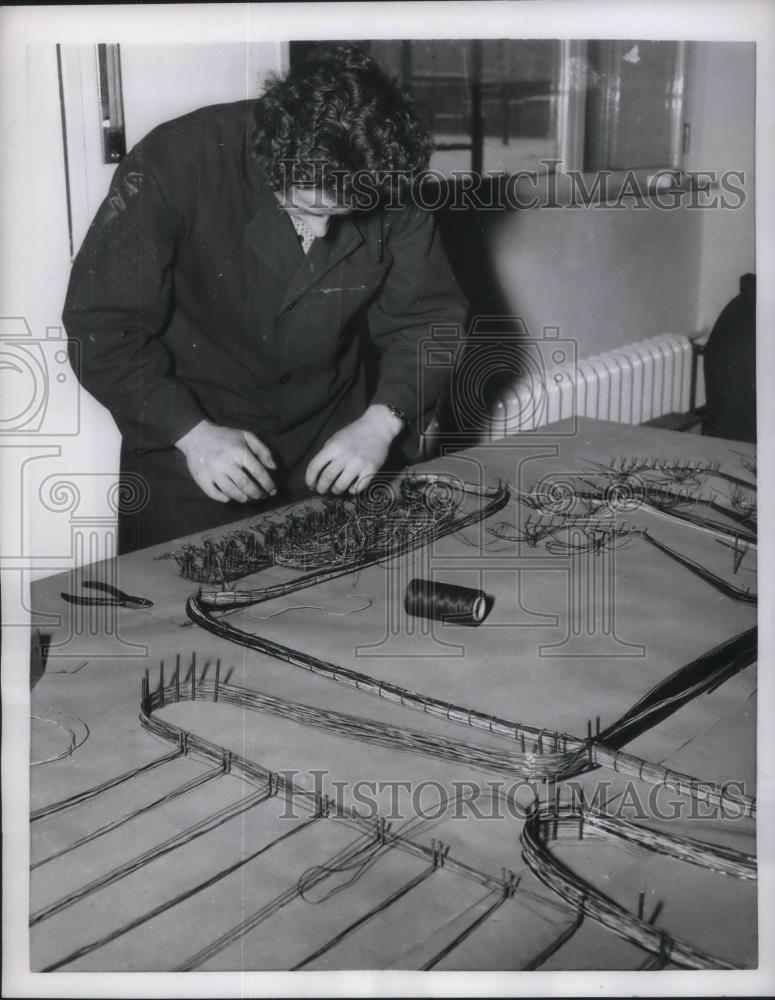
[191,298]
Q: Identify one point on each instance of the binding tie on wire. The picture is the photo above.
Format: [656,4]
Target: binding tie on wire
[510,883]
[440,852]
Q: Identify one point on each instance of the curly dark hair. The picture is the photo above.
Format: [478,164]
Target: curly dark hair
[336,116]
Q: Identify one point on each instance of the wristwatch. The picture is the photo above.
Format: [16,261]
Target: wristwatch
[399,414]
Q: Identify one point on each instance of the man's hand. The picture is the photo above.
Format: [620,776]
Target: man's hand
[228,464]
[352,455]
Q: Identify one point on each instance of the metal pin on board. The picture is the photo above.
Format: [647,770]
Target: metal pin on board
[177,677]
[641,903]
[161,684]
[193,677]
[217,678]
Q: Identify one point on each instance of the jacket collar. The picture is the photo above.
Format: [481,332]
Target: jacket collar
[344,237]
[272,238]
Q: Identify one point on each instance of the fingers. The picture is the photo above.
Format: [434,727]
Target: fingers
[259,449]
[232,490]
[228,464]
[223,485]
[339,471]
[317,464]
[263,481]
[347,476]
[330,473]
[210,489]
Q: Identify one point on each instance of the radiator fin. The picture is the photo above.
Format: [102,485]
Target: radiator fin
[631,385]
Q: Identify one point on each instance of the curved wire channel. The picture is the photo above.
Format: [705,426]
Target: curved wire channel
[576,754]
[552,872]
[576,891]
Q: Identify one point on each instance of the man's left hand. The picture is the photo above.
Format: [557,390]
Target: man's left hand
[355,453]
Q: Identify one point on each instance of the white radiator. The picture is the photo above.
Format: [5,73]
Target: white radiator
[631,385]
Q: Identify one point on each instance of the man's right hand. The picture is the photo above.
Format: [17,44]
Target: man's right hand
[227,463]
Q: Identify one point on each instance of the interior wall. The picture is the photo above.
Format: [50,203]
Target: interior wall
[605,277]
[158,83]
[608,277]
[722,115]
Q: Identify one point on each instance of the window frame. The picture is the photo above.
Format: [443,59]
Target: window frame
[569,118]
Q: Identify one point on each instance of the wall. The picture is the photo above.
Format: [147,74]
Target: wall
[605,277]
[721,111]
[159,83]
[609,276]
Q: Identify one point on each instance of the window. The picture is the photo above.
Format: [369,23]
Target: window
[500,106]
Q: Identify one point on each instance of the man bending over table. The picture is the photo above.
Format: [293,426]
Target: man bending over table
[246,259]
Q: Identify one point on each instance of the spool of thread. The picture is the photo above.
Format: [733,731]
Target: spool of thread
[445,602]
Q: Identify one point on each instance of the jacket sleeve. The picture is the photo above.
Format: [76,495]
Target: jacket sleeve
[118,301]
[418,319]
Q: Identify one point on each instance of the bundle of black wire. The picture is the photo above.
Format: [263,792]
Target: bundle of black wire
[445,602]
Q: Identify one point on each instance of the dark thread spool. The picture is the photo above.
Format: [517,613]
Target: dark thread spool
[445,602]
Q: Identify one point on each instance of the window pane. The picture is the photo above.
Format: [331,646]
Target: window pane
[513,84]
[519,103]
[634,96]
[442,79]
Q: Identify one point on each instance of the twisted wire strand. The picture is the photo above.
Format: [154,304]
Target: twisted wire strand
[366,917]
[249,923]
[649,496]
[554,946]
[90,793]
[577,755]
[575,890]
[744,596]
[175,793]
[496,498]
[193,832]
[181,897]
[395,737]
[253,771]
[355,856]
[71,747]
[465,933]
